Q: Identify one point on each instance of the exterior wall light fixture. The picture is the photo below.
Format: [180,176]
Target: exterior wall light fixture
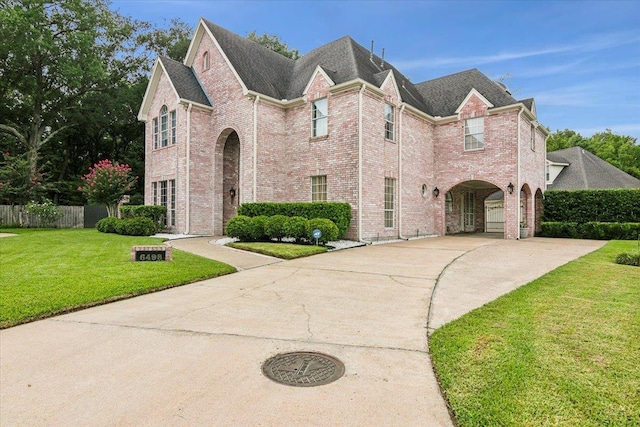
[232,193]
[436,192]
[510,188]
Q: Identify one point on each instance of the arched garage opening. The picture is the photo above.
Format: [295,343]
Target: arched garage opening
[466,210]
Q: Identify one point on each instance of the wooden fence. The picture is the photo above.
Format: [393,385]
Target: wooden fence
[73,216]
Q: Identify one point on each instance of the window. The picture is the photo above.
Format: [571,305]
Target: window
[389,202]
[389,121]
[205,61]
[155,132]
[164,126]
[546,172]
[164,194]
[172,202]
[319,188]
[172,116]
[448,202]
[319,117]
[474,133]
[533,137]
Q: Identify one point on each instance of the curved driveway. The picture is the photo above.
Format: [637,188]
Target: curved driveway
[192,355]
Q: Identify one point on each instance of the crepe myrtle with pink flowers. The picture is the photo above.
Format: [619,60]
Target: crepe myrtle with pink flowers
[106,184]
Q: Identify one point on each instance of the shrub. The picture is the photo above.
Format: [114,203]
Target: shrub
[584,206]
[274,228]
[137,227]
[592,230]
[257,232]
[339,213]
[296,227]
[326,226]
[108,224]
[155,213]
[632,258]
[47,211]
[239,227]
[559,229]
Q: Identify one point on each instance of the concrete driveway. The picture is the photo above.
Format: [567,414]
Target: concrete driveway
[192,355]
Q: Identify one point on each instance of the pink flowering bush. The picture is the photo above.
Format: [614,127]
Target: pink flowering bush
[106,183]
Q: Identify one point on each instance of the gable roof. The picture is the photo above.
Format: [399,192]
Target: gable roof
[586,171]
[185,81]
[445,94]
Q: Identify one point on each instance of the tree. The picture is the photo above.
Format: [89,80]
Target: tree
[561,139]
[106,184]
[53,54]
[274,43]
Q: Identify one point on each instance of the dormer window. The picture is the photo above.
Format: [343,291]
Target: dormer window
[205,61]
[474,133]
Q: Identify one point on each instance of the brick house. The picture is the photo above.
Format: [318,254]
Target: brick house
[236,122]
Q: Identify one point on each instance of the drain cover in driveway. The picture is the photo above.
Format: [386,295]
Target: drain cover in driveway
[303,369]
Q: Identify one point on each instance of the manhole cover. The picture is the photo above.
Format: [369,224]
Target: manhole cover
[303,369]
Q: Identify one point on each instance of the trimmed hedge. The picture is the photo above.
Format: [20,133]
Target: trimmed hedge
[108,225]
[339,213]
[582,206]
[263,228]
[275,227]
[155,213]
[592,230]
[296,228]
[137,227]
[257,228]
[238,227]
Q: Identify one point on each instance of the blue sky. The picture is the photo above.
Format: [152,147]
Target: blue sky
[580,60]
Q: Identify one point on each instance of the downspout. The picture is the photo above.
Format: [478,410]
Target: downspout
[360,94]
[187,209]
[518,185]
[400,172]
[255,148]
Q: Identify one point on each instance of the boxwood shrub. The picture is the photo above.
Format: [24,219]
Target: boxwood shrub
[274,228]
[154,212]
[137,227]
[326,226]
[296,228]
[257,228]
[584,206]
[108,225]
[339,213]
[239,227]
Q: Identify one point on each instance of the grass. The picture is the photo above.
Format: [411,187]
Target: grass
[47,272]
[279,250]
[563,350]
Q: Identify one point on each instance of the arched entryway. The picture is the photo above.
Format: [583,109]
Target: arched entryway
[465,209]
[230,177]
[527,220]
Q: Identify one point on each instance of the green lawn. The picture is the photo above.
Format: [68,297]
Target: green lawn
[279,250]
[563,350]
[46,272]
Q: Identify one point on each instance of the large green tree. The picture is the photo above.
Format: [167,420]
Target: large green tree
[52,56]
[274,43]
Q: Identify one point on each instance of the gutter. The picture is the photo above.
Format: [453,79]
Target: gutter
[255,147]
[188,177]
[360,93]
[400,172]
[518,184]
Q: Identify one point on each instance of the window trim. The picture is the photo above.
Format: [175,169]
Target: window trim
[315,119]
[469,129]
[389,121]
[155,132]
[319,188]
[533,137]
[164,126]
[173,126]
[206,62]
[389,202]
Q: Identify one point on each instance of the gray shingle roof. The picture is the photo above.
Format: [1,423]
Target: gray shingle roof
[445,94]
[527,103]
[185,81]
[586,171]
[279,77]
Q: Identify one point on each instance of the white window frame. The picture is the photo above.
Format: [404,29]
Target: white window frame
[389,202]
[173,124]
[171,209]
[319,120]
[474,134]
[206,63]
[533,137]
[319,188]
[155,132]
[389,122]
[164,126]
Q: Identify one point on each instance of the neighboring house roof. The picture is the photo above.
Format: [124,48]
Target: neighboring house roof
[185,81]
[586,171]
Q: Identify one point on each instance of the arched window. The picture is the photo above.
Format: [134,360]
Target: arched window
[164,126]
[205,61]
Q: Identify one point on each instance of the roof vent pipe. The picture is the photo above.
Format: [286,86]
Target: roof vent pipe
[382,63]
[371,52]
